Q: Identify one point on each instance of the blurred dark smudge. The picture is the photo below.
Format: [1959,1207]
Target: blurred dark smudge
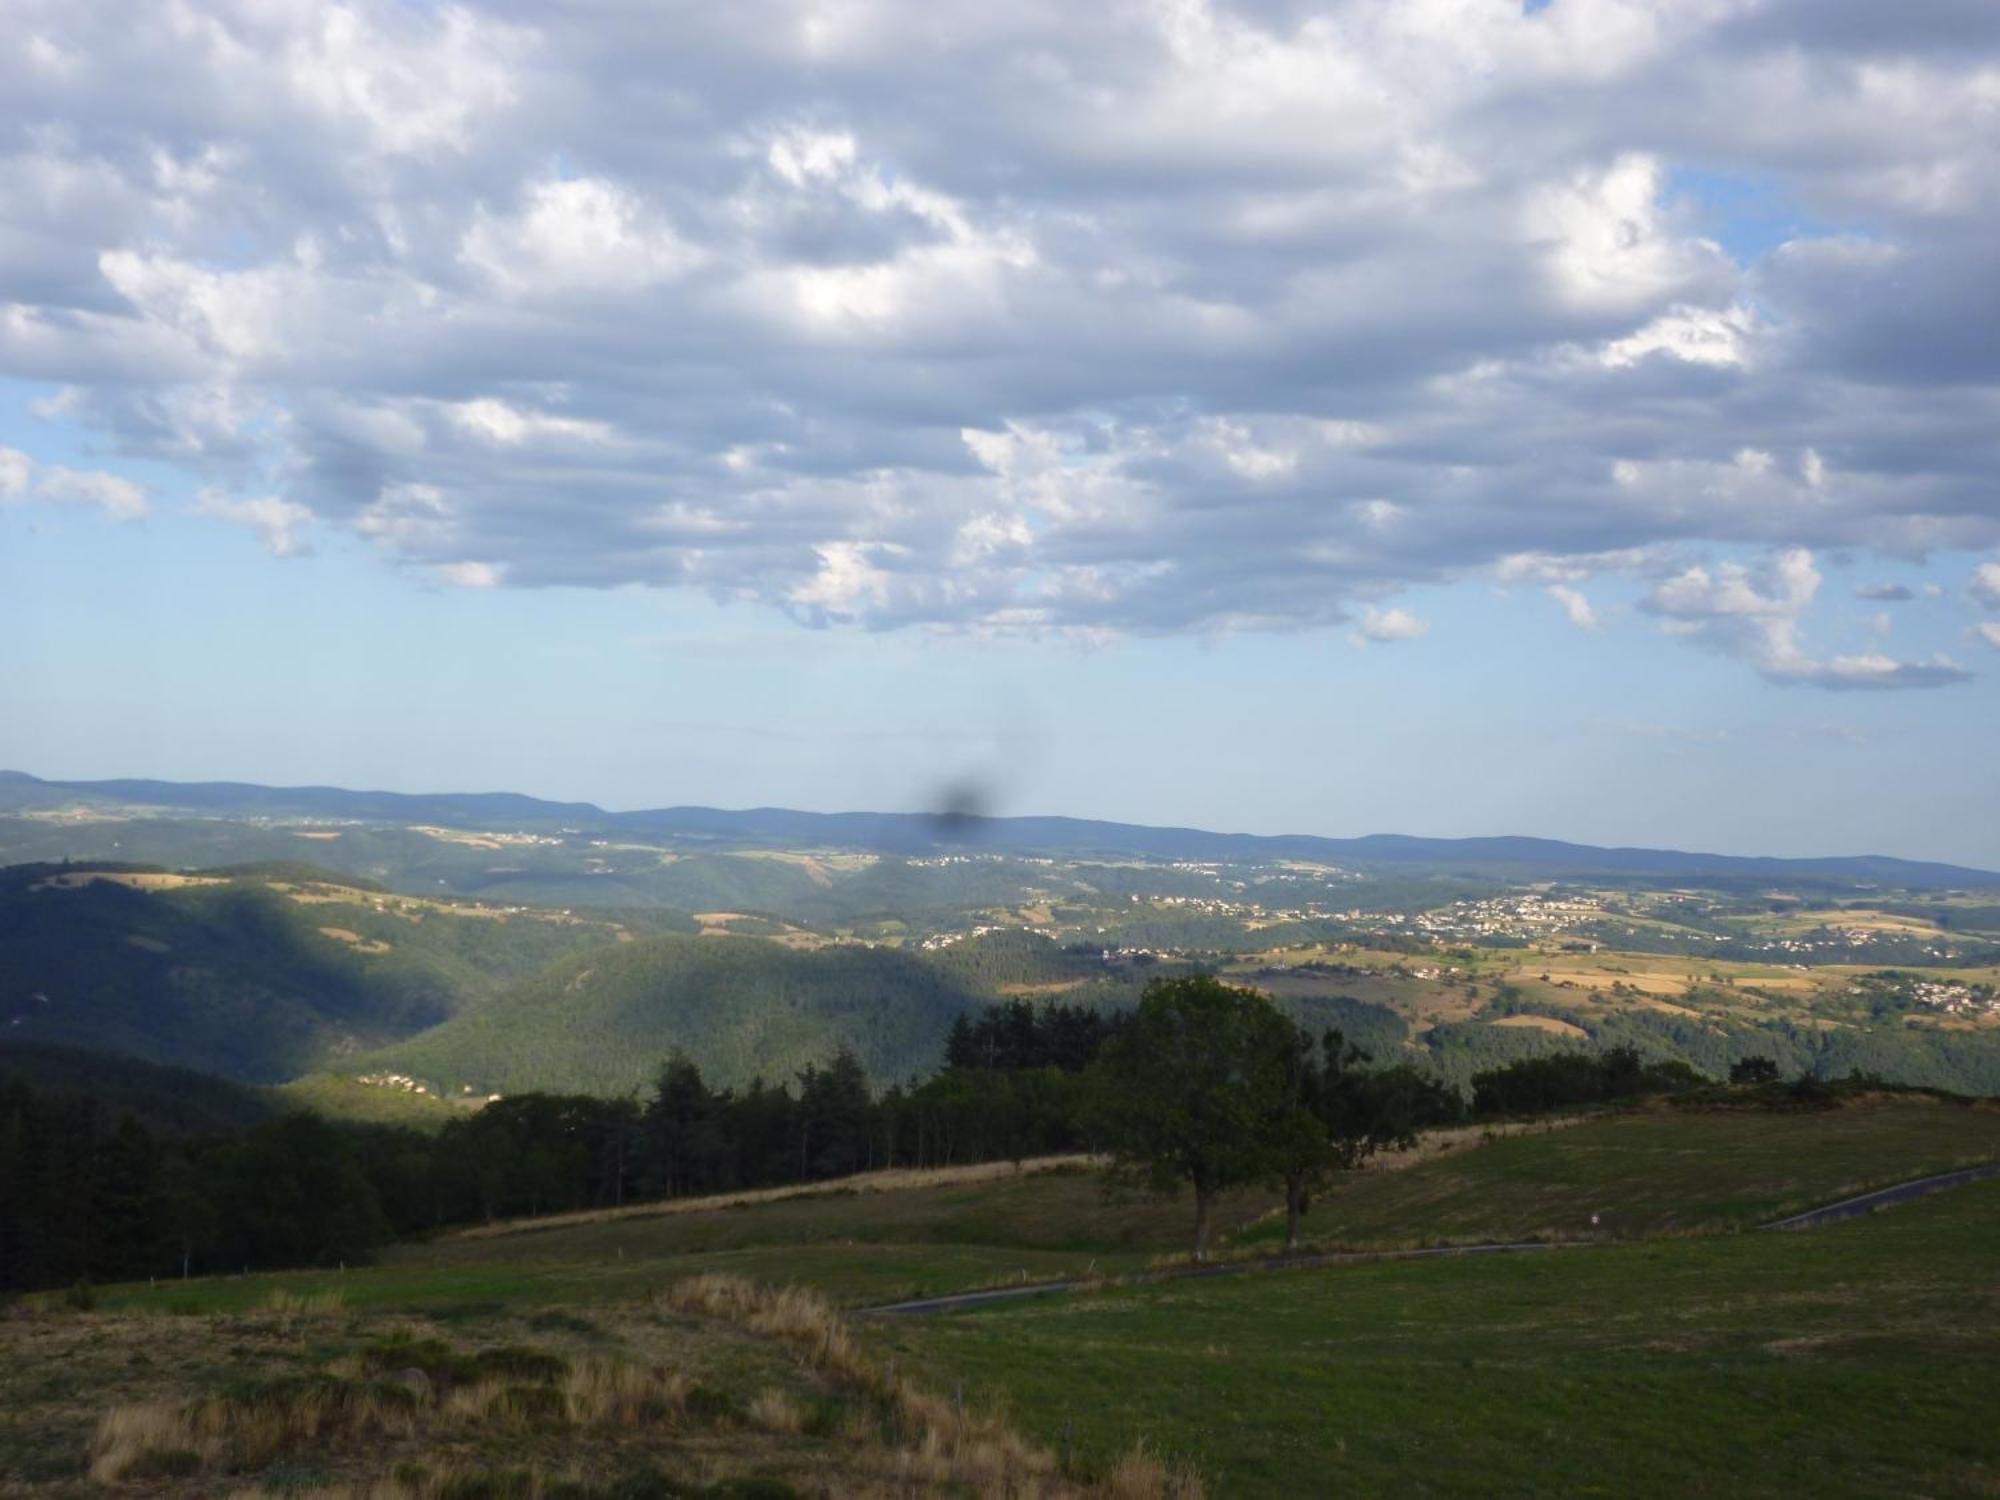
[961,812]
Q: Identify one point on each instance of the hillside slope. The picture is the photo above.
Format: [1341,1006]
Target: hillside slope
[247,976]
[174,1101]
[740,1007]
[910,833]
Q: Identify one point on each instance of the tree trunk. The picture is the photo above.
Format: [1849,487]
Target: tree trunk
[1204,1200]
[1295,1207]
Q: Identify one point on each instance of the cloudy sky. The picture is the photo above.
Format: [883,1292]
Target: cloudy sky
[1447,416]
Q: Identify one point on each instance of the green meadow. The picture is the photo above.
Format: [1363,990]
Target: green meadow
[1674,1352]
[1855,1360]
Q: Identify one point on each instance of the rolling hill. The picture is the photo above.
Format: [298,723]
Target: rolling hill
[245,975]
[173,1101]
[920,833]
[604,1022]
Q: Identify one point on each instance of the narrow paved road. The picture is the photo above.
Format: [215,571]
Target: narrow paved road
[1867,1203]
[1847,1208]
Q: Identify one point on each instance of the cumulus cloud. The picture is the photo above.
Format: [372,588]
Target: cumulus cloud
[1387,625]
[1986,585]
[1217,315]
[469,575]
[1753,613]
[279,524]
[21,478]
[1885,593]
[1576,606]
[17,472]
[1989,632]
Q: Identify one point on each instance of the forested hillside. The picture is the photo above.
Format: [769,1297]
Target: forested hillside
[740,1007]
[247,975]
[284,971]
[171,1101]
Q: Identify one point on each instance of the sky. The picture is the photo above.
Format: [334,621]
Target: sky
[1449,417]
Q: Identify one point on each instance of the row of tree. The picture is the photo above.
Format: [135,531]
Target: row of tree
[1201,1086]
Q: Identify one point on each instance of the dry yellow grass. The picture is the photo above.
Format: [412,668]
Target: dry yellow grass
[453,836]
[153,880]
[1646,981]
[802,1319]
[294,1308]
[348,1404]
[157,1438]
[774,1411]
[1543,1023]
[713,1380]
[941,1444]
[354,940]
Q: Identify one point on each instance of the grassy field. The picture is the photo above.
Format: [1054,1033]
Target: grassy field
[1852,1360]
[1663,1171]
[713,1389]
[856,1248]
[1858,1360]
[1659,1171]
[849,1273]
[1053,1212]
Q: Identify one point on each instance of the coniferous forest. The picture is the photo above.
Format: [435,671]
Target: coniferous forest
[119,1183]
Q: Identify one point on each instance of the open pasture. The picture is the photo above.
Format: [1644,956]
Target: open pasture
[1846,1361]
[1858,1360]
[1655,1171]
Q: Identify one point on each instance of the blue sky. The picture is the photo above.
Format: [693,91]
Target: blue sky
[1509,456]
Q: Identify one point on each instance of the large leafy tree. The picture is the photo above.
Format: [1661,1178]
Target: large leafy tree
[1341,1112]
[1186,1092]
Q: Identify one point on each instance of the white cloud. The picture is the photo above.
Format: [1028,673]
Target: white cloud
[469,575]
[116,496]
[1986,584]
[414,519]
[1754,614]
[17,471]
[279,524]
[1989,632]
[577,234]
[1578,567]
[1387,625]
[495,421]
[1698,336]
[1218,314]
[404,90]
[848,582]
[1609,249]
[21,478]
[1576,606]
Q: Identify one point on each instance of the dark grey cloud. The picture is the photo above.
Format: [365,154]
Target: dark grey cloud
[1143,317]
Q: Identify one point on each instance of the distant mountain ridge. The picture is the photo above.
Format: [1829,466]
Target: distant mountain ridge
[920,833]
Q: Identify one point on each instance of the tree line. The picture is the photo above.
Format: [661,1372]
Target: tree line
[1201,1086]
